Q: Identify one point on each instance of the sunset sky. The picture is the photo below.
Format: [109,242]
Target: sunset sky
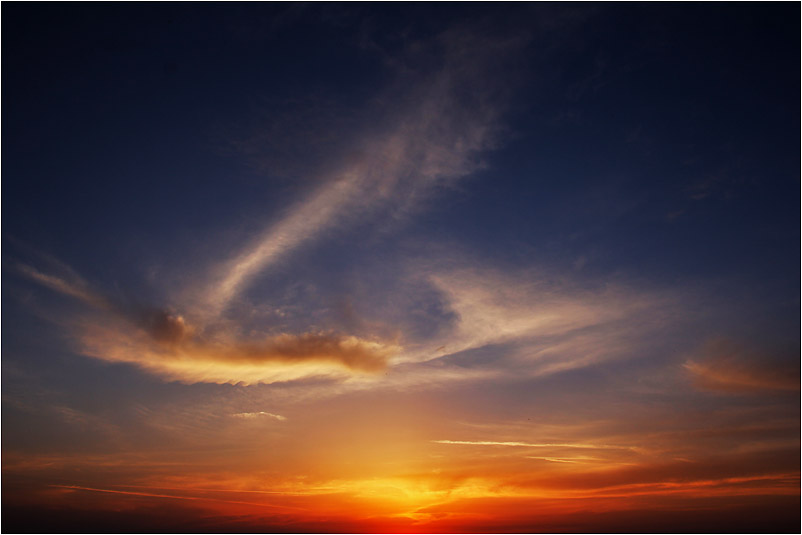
[401,267]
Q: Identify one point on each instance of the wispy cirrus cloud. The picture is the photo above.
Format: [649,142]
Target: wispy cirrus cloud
[538,323]
[72,285]
[430,132]
[724,366]
[160,324]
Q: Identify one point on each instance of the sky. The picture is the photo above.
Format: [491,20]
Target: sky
[431,267]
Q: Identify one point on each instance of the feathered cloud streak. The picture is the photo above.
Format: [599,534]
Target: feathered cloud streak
[434,123]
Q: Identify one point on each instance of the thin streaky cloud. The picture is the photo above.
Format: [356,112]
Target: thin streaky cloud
[572,460]
[77,288]
[303,223]
[260,414]
[728,367]
[532,445]
[231,491]
[174,497]
[553,459]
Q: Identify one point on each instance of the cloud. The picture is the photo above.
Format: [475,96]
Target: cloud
[260,414]
[76,287]
[540,323]
[725,470]
[531,445]
[426,131]
[162,325]
[726,367]
[573,460]
[277,358]
[496,324]
[165,343]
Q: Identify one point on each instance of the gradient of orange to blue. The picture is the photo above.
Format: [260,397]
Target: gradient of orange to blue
[401,267]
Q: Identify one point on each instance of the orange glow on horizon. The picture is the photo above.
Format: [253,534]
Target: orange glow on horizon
[435,500]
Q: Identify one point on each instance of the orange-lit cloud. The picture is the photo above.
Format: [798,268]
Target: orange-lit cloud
[260,414]
[527,444]
[164,343]
[283,357]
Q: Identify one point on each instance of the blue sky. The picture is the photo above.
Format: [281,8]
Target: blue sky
[482,215]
